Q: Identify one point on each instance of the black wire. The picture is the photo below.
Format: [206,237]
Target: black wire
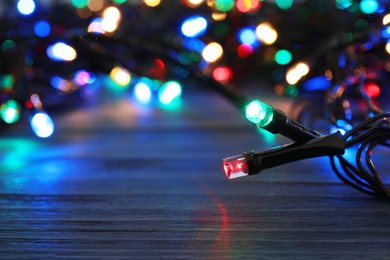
[362,174]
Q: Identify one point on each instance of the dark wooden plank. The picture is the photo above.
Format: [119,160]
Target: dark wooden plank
[118,181]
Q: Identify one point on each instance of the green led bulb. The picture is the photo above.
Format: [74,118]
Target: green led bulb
[259,113]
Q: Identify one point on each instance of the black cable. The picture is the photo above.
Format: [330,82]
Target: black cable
[360,174]
[369,134]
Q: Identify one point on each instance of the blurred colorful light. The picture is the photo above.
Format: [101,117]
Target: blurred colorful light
[244,50]
[169,92]
[284,4]
[295,73]
[120,76]
[42,28]
[246,6]
[343,4]
[248,36]
[222,73]
[266,33]
[80,3]
[372,89]
[212,52]
[283,57]
[369,6]
[111,17]
[82,77]
[143,92]
[224,5]
[152,3]
[10,111]
[194,26]
[26,7]
[42,125]
[96,26]
[61,52]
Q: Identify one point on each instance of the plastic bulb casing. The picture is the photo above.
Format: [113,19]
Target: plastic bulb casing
[235,166]
[259,113]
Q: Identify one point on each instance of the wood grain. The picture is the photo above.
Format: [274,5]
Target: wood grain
[119,181]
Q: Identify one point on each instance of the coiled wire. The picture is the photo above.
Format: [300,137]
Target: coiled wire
[362,173]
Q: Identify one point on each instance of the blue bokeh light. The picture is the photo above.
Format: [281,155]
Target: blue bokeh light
[26,7]
[248,36]
[194,26]
[42,28]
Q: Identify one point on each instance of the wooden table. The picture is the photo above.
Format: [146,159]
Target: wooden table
[118,180]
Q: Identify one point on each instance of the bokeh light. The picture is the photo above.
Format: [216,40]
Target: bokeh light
[96,26]
[283,57]
[111,17]
[244,50]
[120,76]
[248,36]
[26,7]
[152,3]
[372,89]
[295,73]
[212,52]
[42,125]
[246,6]
[369,6]
[80,3]
[61,52]
[10,111]
[222,73]
[169,92]
[194,26]
[143,92]
[284,4]
[42,28]
[224,5]
[266,33]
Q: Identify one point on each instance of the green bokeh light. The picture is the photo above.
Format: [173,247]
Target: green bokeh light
[224,5]
[284,4]
[283,57]
[80,3]
[369,6]
[10,111]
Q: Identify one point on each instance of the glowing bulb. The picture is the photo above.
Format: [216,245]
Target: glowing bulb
[224,5]
[152,3]
[235,166]
[388,47]
[26,7]
[61,52]
[42,125]
[143,92]
[246,6]
[369,6]
[266,33]
[121,76]
[96,26]
[222,73]
[259,113]
[283,57]
[10,111]
[42,28]
[386,19]
[194,26]
[248,36]
[295,73]
[169,92]
[284,4]
[212,52]
[111,17]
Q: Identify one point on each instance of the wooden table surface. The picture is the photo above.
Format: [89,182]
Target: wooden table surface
[118,180]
